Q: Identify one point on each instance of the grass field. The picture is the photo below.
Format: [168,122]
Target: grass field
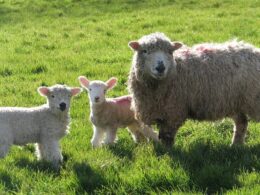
[46,42]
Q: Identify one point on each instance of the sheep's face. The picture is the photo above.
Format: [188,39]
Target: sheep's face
[154,54]
[156,63]
[59,97]
[97,89]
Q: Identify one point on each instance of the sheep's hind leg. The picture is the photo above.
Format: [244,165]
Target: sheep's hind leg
[240,129]
[136,133]
[166,133]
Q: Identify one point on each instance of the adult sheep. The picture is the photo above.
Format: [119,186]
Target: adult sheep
[171,82]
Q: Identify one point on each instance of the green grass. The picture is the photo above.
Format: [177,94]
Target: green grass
[46,42]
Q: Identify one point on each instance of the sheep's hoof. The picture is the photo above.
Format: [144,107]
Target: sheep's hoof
[237,144]
[166,139]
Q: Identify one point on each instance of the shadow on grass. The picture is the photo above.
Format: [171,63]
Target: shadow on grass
[214,168]
[39,166]
[89,180]
[123,149]
[10,185]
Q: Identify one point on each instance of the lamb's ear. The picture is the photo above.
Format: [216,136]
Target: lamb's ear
[111,83]
[84,82]
[176,45]
[43,91]
[75,91]
[134,45]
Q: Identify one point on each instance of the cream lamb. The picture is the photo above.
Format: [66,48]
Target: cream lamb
[171,83]
[44,125]
[108,114]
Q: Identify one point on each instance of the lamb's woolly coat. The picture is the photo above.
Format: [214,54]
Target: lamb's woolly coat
[32,125]
[44,125]
[113,113]
[109,114]
[206,82]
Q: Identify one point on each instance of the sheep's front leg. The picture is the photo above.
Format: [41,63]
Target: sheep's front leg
[110,136]
[166,133]
[240,129]
[49,150]
[98,135]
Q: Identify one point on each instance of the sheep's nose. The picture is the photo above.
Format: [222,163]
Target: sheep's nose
[62,106]
[96,98]
[160,67]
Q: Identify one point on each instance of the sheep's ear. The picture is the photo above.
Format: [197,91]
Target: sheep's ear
[134,45]
[43,91]
[176,45]
[75,91]
[84,82]
[111,83]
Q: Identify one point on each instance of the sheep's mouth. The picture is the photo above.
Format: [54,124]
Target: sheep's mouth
[159,76]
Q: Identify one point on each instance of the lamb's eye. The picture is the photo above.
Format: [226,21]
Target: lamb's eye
[52,96]
[90,89]
[105,91]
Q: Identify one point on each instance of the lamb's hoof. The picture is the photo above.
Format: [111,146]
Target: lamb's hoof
[95,145]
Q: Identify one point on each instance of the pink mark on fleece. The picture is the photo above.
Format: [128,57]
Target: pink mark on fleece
[183,52]
[123,100]
[205,49]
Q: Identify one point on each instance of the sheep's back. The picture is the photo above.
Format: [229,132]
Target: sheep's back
[219,80]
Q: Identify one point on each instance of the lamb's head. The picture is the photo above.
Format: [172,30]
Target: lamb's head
[59,97]
[97,89]
[153,55]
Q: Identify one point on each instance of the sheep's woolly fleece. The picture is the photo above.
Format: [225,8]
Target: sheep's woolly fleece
[206,82]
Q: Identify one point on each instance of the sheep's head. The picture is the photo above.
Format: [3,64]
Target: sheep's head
[59,96]
[97,89]
[153,54]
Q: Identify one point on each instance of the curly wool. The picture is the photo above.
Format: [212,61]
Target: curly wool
[206,82]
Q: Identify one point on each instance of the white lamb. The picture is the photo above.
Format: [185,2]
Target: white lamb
[109,114]
[44,125]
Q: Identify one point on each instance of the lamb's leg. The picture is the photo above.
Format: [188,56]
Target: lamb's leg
[98,135]
[240,129]
[110,136]
[49,150]
[4,150]
[149,132]
[166,133]
[5,142]
[135,130]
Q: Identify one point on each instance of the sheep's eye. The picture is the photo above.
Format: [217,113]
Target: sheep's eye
[52,96]
[144,51]
[90,89]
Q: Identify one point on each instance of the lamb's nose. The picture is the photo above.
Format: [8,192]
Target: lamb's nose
[62,106]
[96,98]
[160,67]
